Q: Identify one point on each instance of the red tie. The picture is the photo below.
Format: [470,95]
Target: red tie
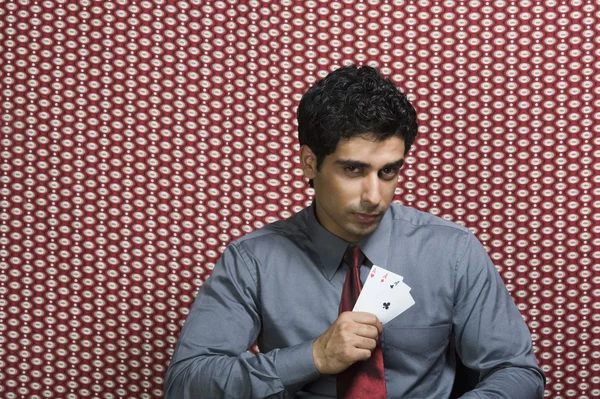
[364,379]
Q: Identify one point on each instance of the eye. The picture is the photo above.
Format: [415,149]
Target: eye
[389,174]
[352,169]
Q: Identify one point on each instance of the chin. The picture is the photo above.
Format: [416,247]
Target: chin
[361,232]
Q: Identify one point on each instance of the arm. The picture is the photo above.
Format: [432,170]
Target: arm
[491,335]
[211,358]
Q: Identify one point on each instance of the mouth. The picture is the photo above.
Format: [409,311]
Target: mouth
[367,218]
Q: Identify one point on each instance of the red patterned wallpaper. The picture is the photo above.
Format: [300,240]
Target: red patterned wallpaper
[140,137]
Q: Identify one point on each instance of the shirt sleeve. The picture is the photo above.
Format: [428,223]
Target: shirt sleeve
[491,335]
[211,359]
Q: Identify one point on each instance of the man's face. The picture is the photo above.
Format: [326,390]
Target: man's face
[355,185]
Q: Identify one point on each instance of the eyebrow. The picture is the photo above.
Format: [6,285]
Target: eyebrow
[351,163]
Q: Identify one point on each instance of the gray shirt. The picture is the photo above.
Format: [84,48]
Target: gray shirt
[281,285]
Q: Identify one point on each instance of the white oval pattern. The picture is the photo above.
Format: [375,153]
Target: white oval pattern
[140,137]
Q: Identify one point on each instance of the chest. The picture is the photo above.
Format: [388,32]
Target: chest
[298,303]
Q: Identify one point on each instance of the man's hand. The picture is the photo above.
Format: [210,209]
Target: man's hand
[351,338]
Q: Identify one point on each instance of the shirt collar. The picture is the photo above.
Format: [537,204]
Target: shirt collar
[331,248]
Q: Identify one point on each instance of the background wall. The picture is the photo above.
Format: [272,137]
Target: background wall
[140,137]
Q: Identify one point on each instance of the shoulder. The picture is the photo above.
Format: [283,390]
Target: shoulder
[429,232]
[285,230]
[411,218]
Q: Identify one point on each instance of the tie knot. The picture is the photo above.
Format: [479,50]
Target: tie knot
[353,256]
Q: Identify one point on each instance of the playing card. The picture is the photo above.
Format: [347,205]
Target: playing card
[384,294]
[381,275]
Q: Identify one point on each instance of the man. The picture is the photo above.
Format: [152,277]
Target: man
[282,285]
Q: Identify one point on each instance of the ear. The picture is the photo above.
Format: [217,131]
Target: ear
[308,160]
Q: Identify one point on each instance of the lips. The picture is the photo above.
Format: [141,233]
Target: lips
[367,218]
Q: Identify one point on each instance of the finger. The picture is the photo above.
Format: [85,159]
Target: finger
[367,331]
[366,343]
[362,354]
[368,318]
[379,326]
[364,317]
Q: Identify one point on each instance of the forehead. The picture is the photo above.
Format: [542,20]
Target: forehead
[365,149]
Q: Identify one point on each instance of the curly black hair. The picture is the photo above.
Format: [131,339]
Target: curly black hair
[349,102]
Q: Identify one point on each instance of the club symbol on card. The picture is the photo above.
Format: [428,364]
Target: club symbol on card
[384,277]
[395,284]
[386,305]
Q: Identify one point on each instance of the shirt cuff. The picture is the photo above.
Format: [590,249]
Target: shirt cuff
[296,366]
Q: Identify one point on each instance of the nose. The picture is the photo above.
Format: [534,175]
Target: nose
[371,195]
